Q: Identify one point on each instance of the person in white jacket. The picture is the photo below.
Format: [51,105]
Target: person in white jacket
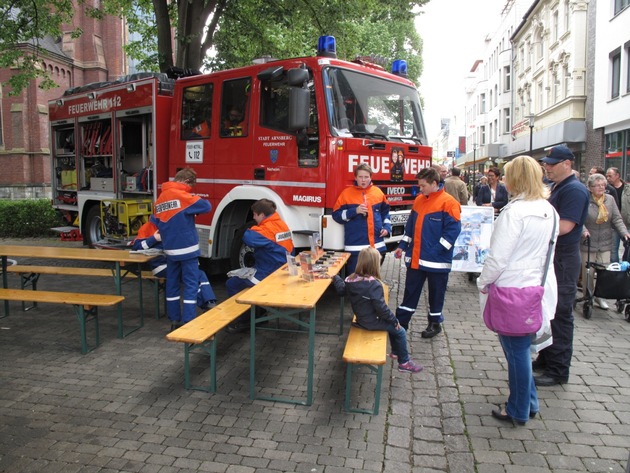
[517,257]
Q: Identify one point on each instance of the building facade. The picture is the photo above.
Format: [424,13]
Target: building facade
[611,79]
[97,55]
[556,71]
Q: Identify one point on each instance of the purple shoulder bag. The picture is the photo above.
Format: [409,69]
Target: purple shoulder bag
[517,311]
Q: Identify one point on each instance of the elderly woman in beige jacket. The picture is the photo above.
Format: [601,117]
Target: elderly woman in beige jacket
[602,220]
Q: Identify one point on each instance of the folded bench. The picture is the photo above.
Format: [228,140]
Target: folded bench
[200,335]
[85,306]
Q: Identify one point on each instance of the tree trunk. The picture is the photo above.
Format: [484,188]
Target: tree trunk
[165,47]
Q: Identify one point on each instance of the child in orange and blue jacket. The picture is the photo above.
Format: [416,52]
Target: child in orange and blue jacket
[364,212]
[174,216]
[431,231]
[149,237]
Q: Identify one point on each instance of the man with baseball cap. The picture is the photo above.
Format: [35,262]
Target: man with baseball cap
[570,199]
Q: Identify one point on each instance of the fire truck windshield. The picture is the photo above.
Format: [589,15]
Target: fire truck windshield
[362,105]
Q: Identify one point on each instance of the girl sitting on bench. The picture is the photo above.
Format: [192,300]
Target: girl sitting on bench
[367,296]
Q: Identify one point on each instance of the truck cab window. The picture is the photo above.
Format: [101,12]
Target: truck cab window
[235,107]
[196,112]
[274,114]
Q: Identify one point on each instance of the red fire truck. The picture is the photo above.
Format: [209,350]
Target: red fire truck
[288,130]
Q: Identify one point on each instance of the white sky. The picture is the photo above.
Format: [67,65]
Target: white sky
[453,32]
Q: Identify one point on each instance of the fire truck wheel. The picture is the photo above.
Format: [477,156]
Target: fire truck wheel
[241,255]
[93,232]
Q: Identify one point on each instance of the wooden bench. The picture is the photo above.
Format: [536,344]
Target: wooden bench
[200,335]
[85,306]
[29,276]
[365,348]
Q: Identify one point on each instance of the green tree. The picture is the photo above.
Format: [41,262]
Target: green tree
[233,31]
[23,24]
[290,28]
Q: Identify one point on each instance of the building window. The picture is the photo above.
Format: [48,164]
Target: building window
[567,81]
[615,73]
[482,103]
[507,123]
[627,67]
[554,26]
[567,12]
[620,5]
[539,96]
[482,135]
[556,87]
[507,79]
[539,45]
[496,95]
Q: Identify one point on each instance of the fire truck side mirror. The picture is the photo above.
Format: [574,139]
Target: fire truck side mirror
[297,77]
[299,105]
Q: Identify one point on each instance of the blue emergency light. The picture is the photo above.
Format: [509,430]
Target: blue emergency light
[399,67]
[327,46]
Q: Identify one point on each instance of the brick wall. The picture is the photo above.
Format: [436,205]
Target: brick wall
[95,56]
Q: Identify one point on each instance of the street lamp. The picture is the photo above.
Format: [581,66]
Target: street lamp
[474,165]
[531,119]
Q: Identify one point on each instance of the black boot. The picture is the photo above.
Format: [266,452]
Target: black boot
[432,330]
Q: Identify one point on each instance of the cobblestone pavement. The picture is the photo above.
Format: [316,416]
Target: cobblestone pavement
[123,407]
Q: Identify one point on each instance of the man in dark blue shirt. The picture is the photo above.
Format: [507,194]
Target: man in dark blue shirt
[570,199]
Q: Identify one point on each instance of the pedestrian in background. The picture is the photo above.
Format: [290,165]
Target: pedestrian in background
[570,199]
[430,233]
[617,188]
[602,222]
[363,210]
[174,216]
[518,258]
[494,194]
[456,187]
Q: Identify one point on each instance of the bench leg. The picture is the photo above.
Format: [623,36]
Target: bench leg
[378,370]
[29,280]
[83,316]
[208,348]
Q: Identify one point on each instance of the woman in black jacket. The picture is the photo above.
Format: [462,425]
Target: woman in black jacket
[367,297]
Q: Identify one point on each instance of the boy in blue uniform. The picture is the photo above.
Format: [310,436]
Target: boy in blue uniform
[174,216]
[271,241]
[149,237]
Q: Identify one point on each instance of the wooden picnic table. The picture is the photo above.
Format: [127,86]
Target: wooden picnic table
[285,297]
[120,258]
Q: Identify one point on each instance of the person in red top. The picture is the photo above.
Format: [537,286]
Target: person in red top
[271,241]
[174,216]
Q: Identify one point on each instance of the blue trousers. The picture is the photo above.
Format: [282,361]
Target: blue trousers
[204,289]
[235,285]
[413,289]
[557,357]
[182,276]
[523,398]
[398,341]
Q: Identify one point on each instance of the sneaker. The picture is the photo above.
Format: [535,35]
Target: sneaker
[393,356]
[601,303]
[410,367]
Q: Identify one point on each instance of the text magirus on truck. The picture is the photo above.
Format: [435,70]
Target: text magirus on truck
[298,128]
